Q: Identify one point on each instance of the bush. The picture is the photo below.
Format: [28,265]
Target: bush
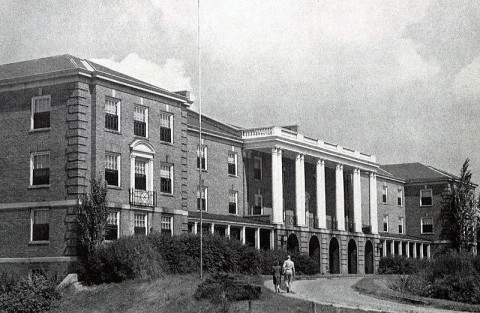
[400,265]
[126,258]
[233,287]
[29,295]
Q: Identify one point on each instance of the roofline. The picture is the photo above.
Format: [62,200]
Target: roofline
[391,178]
[215,120]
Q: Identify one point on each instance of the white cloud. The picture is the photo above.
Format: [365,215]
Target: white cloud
[170,75]
[467,82]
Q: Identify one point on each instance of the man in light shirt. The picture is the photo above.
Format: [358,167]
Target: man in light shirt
[289,271]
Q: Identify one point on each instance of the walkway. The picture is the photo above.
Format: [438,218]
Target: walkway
[338,291]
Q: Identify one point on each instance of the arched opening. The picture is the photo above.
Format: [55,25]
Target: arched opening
[369,258]
[314,252]
[292,244]
[352,257]
[334,256]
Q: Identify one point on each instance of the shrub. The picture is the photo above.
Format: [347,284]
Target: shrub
[268,258]
[29,295]
[305,264]
[126,258]
[400,265]
[233,287]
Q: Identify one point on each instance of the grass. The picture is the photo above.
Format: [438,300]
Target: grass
[174,294]
[379,286]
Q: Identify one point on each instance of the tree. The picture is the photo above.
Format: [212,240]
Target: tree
[92,217]
[459,216]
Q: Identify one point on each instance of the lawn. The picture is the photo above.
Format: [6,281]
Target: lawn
[173,294]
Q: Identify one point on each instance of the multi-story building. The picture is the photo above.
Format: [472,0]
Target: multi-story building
[66,120]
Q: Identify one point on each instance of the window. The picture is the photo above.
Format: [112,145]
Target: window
[140,118]
[427,225]
[385,223]
[40,165]
[202,160]
[40,224]
[257,208]
[111,228]
[166,127]
[384,194]
[400,225]
[112,169]
[203,198]
[166,224]
[232,202]
[232,163]
[140,224]
[166,177]
[400,197]
[257,168]
[426,197]
[140,175]
[112,114]
[40,112]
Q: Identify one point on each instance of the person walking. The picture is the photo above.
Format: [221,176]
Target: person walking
[289,270]
[277,275]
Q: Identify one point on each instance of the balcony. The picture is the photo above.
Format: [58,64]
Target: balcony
[143,198]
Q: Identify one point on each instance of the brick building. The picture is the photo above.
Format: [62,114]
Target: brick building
[66,120]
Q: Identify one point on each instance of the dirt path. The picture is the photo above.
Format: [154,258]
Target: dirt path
[338,291]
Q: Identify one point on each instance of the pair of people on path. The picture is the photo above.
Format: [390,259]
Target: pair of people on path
[288,269]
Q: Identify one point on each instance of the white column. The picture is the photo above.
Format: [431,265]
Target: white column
[408,249]
[257,238]
[421,250]
[277,186]
[272,239]
[228,231]
[373,203]
[357,200]
[212,228]
[300,189]
[428,251]
[414,250]
[132,172]
[340,200]
[384,248]
[195,227]
[400,248]
[244,235]
[321,197]
[392,248]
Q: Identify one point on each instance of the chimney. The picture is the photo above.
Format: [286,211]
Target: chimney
[293,128]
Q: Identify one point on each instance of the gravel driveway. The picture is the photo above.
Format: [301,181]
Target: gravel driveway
[338,291]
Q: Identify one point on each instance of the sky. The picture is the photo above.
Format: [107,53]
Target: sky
[397,79]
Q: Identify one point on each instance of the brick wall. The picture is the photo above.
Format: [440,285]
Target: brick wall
[391,208]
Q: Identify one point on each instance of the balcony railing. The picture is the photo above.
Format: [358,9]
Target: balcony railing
[143,197]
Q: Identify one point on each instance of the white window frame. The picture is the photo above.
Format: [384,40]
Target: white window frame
[387,219]
[145,111]
[170,121]
[33,111]
[31,224]
[236,201]
[235,160]
[400,196]
[261,167]
[421,226]
[385,193]
[32,157]
[199,154]
[135,221]
[205,209]
[170,169]
[117,156]
[401,221]
[119,106]
[163,221]
[117,218]
[431,196]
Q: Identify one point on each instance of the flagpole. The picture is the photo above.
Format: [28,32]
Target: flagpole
[200,148]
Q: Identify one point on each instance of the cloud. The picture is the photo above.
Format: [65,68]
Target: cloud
[466,85]
[171,75]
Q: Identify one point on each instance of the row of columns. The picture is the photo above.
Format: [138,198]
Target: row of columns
[407,250]
[242,234]
[277,194]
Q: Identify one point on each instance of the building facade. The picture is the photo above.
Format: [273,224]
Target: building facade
[66,120]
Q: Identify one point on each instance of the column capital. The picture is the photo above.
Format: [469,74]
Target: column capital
[300,156]
[339,167]
[373,175]
[321,162]
[356,171]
